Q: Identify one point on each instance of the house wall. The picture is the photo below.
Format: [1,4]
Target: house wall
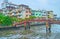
[36,13]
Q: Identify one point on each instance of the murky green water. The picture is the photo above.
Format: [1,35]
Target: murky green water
[36,32]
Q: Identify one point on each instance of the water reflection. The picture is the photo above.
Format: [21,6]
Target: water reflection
[36,32]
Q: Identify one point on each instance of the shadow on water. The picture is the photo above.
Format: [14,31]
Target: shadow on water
[36,32]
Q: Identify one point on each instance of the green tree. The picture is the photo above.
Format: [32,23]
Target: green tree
[5,20]
[15,19]
[1,18]
[32,17]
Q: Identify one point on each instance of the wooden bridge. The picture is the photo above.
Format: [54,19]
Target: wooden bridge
[47,21]
[51,21]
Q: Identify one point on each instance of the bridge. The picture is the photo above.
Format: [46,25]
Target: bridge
[48,23]
[51,21]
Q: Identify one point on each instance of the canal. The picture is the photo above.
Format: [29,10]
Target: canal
[36,32]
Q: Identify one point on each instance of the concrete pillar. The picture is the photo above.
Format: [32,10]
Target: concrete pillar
[25,25]
[48,27]
[28,25]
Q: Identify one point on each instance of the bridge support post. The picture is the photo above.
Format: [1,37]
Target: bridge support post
[48,27]
[27,25]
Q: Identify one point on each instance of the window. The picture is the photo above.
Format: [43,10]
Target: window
[48,12]
[32,14]
[29,11]
[39,14]
[36,14]
[14,12]
[19,11]
[20,15]
[44,12]
[26,15]
[26,11]
[48,16]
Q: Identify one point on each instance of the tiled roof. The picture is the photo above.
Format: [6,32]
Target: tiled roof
[1,10]
[23,5]
[8,7]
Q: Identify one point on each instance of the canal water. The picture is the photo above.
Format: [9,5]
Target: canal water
[36,32]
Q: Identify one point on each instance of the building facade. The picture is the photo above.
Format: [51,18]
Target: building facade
[23,11]
[50,14]
[19,11]
[36,13]
[1,10]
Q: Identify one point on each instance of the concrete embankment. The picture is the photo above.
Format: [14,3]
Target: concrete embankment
[18,27]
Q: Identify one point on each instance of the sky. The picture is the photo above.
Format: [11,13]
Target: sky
[53,5]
